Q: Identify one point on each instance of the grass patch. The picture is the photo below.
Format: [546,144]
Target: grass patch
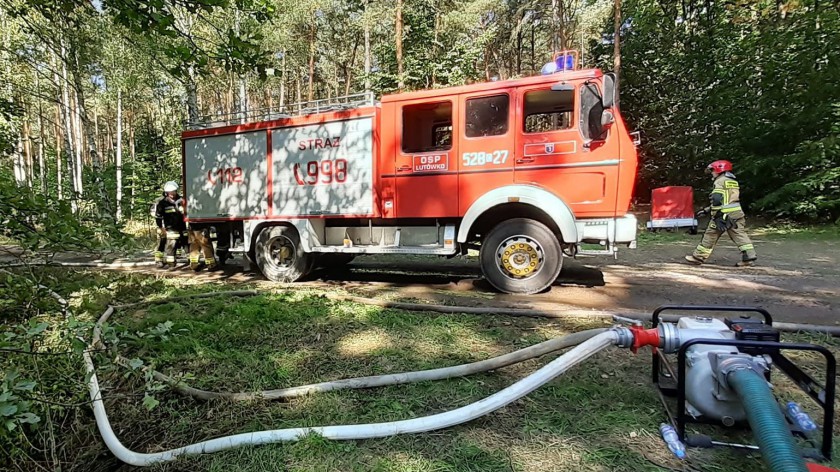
[601,416]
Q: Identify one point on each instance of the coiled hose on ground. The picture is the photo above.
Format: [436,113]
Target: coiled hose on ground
[767,422]
[357,431]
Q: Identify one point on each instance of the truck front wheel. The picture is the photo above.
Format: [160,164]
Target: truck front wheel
[280,255]
[521,255]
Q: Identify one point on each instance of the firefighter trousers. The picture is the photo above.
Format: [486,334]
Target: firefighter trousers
[738,233]
[200,244]
[174,240]
[159,249]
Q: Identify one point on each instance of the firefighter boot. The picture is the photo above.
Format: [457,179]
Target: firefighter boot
[694,260]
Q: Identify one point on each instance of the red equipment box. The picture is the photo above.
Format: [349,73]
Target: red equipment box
[672,207]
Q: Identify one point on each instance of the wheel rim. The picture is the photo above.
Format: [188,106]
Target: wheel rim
[520,257]
[281,252]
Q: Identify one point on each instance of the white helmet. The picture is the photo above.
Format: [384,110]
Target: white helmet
[170,186]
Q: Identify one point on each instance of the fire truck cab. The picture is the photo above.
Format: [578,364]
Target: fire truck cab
[526,171]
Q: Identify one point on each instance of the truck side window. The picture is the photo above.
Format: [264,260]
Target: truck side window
[487,116]
[427,127]
[548,110]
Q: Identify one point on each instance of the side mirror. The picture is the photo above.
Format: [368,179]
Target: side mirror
[608,97]
[607,119]
[562,87]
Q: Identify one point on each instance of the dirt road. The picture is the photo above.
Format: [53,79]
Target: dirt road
[797,280]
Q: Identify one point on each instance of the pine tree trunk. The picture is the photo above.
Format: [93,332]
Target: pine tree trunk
[367,47]
[311,89]
[192,96]
[283,84]
[42,164]
[617,48]
[69,135]
[398,39]
[26,138]
[90,137]
[133,161]
[58,137]
[243,99]
[118,156]
[348,68]
[19,165]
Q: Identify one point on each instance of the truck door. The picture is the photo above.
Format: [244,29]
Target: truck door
[485,144]
[554,150]
[425,167]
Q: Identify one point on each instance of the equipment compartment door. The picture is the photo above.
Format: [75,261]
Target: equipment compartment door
[323,169]
[226,176]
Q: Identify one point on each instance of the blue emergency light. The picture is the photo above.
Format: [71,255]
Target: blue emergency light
[562,62]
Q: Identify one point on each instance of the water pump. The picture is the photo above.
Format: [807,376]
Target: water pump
[723,377]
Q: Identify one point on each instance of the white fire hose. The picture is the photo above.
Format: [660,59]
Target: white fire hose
[349,432]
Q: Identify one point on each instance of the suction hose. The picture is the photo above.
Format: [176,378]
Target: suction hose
[349,432]
[767,422]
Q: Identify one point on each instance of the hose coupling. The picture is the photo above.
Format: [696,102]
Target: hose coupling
[637,336]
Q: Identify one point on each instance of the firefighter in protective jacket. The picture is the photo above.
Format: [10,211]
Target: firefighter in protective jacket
[160,232]
[169,217]
[727,217]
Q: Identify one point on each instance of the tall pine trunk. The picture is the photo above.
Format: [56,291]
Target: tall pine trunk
[26,139]
[93,153]
[42,166]
[311,87]
[617,48]
[69,135]
[58,151]
[119,156]
[367,48]
[398,39]
[19,164]
[133,161]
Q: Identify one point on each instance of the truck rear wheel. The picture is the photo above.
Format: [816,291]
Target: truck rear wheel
[280,255]
[521,256]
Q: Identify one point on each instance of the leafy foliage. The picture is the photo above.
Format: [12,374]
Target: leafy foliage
[39,224]
[754,82]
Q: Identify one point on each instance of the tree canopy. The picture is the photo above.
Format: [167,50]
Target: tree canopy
[95,92]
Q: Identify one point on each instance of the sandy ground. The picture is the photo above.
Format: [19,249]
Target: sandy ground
[797,280]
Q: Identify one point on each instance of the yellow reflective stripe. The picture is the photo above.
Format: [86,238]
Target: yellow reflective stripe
[731,209]
[703,250]
[724,197]
[746,247]
[731,184]
[170,210]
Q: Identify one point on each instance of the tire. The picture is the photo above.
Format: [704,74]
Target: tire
[280,255]
[534,256]
[333,261]
[692,230]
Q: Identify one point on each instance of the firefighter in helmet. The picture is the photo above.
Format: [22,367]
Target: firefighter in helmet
[160,232]
[169,218]
[727,217]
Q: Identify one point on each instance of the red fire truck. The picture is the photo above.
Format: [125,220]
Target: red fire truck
[526,171]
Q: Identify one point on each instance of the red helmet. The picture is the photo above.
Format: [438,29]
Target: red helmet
[720,167]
